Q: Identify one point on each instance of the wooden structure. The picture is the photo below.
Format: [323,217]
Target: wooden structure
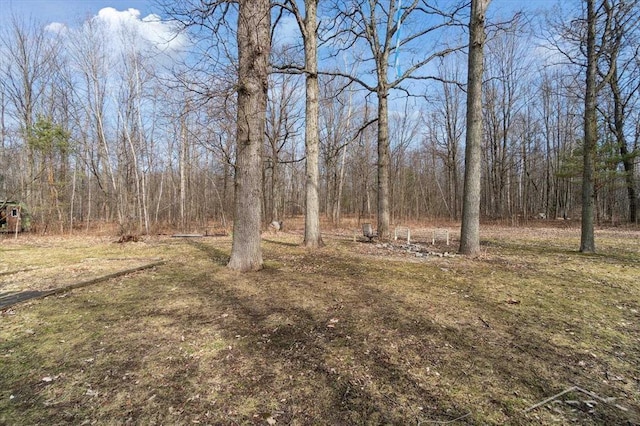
[14,217]
[400,230]
[440,234]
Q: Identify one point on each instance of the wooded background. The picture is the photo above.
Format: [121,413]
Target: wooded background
[95,129]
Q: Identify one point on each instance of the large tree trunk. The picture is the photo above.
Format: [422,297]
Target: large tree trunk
[587,240]
[312,235]
[470,230]
[254,44]
[383,166]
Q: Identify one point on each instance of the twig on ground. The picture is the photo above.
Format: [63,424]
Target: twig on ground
[601,399]
[578,389]
[551,398]
[443,422]
[484,322]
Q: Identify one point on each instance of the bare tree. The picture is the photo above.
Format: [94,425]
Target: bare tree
[378,24]
[336,122]
[30,61]
[94,63]
[446,128]
[587,240]
[254,45]
[506,69]
[283,125]
[624,86]
[598,25]
[4,158]
[307,21]
[309,26]
[586,42]
[470,230]
[404,128]
[559,124]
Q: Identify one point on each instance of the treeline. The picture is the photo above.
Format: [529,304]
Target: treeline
[94,133]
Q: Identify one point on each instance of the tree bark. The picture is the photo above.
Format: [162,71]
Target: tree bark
[470,230]
[254,44]
[182,166]
[383,166]
[312,235]
[587,240]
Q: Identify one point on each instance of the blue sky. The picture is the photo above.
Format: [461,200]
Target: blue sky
[72,11]
[135,15]
[68,12]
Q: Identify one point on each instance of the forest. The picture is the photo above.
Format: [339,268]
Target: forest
[194,133]
[102,123]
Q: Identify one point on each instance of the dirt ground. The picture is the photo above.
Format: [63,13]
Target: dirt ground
[353,333]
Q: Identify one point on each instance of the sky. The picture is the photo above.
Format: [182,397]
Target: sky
[141,14]
[70,12]
[142,17]
[118,17]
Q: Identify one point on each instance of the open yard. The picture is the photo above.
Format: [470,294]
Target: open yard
[355,333]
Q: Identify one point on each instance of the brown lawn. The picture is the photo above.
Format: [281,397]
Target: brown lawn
[355,333]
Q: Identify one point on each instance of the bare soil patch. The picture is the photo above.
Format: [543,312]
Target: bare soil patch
[353,333]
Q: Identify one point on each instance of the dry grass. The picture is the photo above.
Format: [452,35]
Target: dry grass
[350,334]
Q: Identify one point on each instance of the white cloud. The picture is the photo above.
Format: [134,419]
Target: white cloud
[56,27]
[148,34]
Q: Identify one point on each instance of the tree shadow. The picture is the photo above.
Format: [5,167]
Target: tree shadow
[216,255]
[621,255]
[372,365]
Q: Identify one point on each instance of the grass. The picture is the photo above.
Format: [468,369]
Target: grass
[349,334]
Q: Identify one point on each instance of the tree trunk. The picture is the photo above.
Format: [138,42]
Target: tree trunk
[629,166]
[312,235]
[470,230]
[630,180]
[182,166]
[383,166]
[254,44]
[587,240]
[619,118]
